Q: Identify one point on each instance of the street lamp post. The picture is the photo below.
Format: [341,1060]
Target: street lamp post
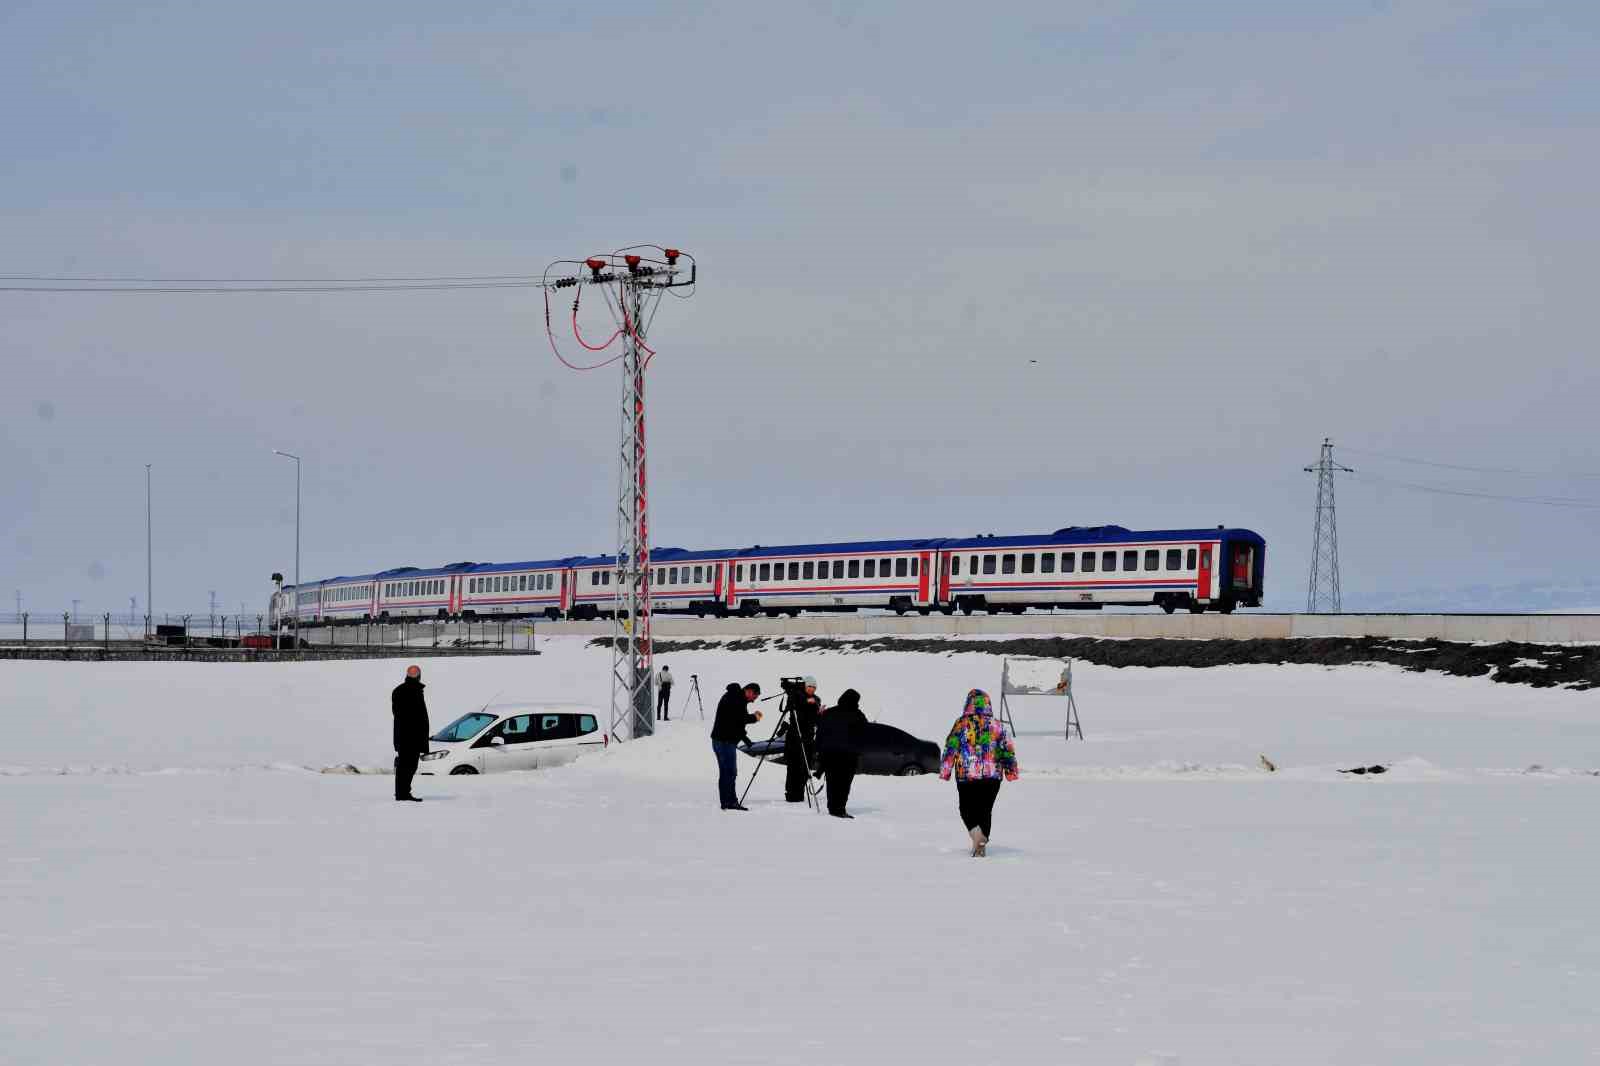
[296,599]
[149,584]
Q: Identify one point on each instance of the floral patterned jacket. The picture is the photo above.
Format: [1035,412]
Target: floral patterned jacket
[978,747]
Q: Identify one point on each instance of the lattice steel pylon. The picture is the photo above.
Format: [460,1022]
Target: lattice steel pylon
[639,278]
[1322,591]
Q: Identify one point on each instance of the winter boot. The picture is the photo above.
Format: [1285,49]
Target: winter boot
[979,842]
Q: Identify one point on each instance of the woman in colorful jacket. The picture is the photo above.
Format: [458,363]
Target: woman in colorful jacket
[979,752]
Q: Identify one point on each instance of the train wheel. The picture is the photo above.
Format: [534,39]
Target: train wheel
[1168,606]
[1197,608]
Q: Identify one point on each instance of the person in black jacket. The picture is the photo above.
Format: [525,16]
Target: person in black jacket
[838,745]
[799,742]
[728,731]
[410,731]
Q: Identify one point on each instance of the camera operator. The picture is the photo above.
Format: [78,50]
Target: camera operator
[728,731]
[799,743]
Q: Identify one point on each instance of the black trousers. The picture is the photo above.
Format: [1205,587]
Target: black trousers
[840,771]
[664,704]
[797,756]
[405,766]
[976,799]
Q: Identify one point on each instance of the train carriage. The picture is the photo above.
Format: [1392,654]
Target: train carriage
[515,589]
[895,574]
[1081,567]
[1105,565]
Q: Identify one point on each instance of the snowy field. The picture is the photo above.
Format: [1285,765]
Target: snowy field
[179,885]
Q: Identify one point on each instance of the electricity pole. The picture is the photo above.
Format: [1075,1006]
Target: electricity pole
[631,284]
[1322,592]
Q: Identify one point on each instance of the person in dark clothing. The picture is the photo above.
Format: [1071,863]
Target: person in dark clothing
[838,747]
[664,695]
[727,732]
[799,742]
[410,731]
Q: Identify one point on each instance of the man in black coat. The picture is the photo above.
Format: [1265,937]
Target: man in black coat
[799,743]
[410,731]
[839,745]
[727,732]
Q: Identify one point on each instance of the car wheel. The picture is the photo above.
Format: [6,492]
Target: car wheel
[463,770]
[911,769]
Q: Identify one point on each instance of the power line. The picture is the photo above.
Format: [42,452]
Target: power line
[531,283]
[267,281]
[1543,501]
[1471,469]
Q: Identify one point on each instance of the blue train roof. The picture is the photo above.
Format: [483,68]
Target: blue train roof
[760,551]
[1101,535]
[531,564]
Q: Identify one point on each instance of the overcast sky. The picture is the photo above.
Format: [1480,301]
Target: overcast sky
[1224,231]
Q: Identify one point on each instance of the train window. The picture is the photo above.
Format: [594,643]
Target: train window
[1047,562]
[738,572]
[955,566]
[838,568]
[766,572]
[794,571]
[1008,564]
[1027,562]
[871,569]
[1174,558]
[699,574]
[605,577]
[855,567]
[808,571]
[1152,559]
[1130,560]
[1088,562]
[902,567]
[914,566]
[1108,561]
[672,575]
[1191,559]
[988,564]
[594,577]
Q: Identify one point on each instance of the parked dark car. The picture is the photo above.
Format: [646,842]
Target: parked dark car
[885,750]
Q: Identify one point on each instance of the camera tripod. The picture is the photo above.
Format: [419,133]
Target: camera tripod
[694,690]
[813,799]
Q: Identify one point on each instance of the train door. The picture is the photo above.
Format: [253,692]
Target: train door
[944,577]
[1204,590]
[1243,565]
[566,591]
[733,592]
[924,579]
[716,582]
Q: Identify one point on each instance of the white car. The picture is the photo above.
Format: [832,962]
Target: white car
[514,736]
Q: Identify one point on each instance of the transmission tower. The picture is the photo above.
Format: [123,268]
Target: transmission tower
[631,281]
[1322,592]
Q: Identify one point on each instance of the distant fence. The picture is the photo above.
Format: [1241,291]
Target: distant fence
[61,631]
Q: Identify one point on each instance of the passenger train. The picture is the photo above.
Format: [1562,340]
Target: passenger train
[1077,567]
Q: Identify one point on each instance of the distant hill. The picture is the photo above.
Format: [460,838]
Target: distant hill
[1580,595]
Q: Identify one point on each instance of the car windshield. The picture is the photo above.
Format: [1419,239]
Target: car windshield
[466,727]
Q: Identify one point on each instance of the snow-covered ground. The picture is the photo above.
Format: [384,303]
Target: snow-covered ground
[177,886]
